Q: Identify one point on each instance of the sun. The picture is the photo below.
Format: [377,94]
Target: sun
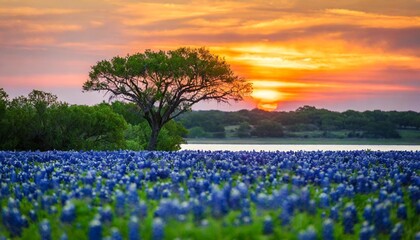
[266,95]
[267,106]
[267,99]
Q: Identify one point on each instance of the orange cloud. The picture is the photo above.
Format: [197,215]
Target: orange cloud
[30,11]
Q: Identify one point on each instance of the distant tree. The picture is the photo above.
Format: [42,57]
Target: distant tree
[268,128]
[4,100]
[165,84]
[244,130]
[197,132]
[381,129]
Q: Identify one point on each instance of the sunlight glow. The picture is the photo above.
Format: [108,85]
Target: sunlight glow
[267,95]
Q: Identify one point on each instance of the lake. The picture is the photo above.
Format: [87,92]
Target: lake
[296,147]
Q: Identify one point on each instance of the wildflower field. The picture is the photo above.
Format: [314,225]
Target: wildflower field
[210,195]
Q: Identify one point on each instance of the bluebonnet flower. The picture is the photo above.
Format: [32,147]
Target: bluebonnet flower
[119,203]
[328,230]
[366,232]
[312,207]
[105,214]
[368,213]
[45,230]
[304,199]
[132,195]
[268,225]
[352,209]
[383,195]
[397,232]
[115,234]
[64,236]
[414,193]
[218,203]
[133,229]
[13,220]
[323,200]
[348,222]
[32,215]
[235,199]
[402,212]
[308,234]
[334,214]
[158,231]
[68,215]
[95,230]
[381,218]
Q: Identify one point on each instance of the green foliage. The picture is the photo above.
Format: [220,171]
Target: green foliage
[170,137]
[268,128]
[306,121]
[244,130]
[197,132]
[40,122]
[165,84]
[130,112]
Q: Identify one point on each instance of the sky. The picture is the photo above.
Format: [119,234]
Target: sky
[339,55]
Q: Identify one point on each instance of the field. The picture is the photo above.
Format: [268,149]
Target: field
[210,195]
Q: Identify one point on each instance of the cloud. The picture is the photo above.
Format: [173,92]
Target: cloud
[34,12]
[316,50]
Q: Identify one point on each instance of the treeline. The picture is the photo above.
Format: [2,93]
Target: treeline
[40,122]
[305,122]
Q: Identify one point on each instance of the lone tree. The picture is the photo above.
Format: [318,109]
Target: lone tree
[165,84]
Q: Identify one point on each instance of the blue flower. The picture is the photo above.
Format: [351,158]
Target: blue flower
[348,222]
[328,230]
[268,225]
[402,212]
[158,231]
[133,229]
[397,232]
[308,234]
[95,230]
[68,215]
[45,230]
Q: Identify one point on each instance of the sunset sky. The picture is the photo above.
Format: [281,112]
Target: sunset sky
[339,55]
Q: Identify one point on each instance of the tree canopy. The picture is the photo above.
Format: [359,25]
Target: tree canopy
[40,122]
[165,84]
[306,121]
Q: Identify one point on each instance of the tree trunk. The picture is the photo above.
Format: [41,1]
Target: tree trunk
[152,146]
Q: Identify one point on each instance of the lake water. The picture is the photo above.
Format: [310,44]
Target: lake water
[296,147]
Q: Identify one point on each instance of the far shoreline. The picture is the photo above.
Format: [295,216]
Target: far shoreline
[303,141]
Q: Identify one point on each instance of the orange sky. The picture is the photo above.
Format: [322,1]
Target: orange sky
[350,54]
